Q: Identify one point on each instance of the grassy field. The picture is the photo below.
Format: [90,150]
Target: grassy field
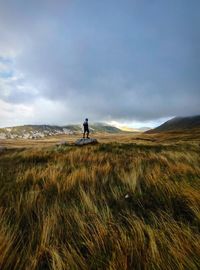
[130,202]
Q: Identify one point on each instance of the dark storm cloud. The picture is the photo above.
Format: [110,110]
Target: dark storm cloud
[110,60]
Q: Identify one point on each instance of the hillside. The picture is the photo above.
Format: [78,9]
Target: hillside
[40,131]
[178,124]
[110,206]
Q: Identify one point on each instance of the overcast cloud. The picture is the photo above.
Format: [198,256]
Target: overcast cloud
[128,61]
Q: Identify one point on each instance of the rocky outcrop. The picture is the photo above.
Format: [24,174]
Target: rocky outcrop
[85,141]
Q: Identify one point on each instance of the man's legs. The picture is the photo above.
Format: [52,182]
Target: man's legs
[88,133]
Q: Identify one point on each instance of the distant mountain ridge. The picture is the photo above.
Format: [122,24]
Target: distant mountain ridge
[178,124]
[41,131]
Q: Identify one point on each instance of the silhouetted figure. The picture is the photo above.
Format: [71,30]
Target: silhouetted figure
[86,128]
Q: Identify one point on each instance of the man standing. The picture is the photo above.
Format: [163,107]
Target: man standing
[86,128]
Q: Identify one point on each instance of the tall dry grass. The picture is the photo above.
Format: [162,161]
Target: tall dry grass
[111,206]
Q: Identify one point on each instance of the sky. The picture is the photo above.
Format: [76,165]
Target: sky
[126,62]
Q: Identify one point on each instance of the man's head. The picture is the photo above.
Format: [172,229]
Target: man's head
[86,119]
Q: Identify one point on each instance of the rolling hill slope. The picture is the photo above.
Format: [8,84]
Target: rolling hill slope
[40,131]
[178,124]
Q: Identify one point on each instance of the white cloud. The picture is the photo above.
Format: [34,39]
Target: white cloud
[52,112]
[14,114]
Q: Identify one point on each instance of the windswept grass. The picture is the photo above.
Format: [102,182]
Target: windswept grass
[109,206]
